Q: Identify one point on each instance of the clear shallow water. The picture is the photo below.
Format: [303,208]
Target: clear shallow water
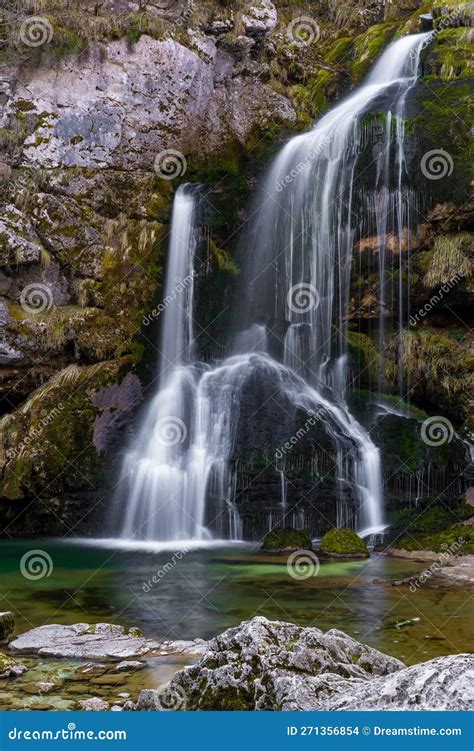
[205,591]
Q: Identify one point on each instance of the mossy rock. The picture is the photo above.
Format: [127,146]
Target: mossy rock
[286,538]
[343,543]
[7,625]
[461,536]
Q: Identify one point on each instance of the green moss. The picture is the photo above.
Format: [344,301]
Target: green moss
[49,439]
[366,361]
[458,535]
[451,55]
[285,538]
[431,520]
[367,47]
[343,542]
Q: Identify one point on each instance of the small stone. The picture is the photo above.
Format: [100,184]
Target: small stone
[10,668]
[94,704]
[129,666]
[45,688]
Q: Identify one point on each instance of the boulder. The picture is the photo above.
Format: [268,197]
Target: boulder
[268,665]
[343,543]
[101,641]
[446,683]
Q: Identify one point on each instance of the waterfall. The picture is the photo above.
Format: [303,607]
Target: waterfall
[177,480]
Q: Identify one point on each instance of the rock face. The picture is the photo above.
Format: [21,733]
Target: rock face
[122,111]
[271,665]
[267,665]
[84,222]
[81,641]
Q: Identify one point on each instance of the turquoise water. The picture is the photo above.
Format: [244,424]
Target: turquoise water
[203,592]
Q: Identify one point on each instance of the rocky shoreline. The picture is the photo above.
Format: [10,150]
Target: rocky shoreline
[258,665]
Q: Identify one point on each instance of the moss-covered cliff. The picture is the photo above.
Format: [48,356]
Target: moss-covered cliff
[85,208]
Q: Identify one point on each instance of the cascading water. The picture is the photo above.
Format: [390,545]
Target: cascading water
[177,481]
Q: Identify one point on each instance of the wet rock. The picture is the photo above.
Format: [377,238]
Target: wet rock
[195,647]
[446,683]
[94,704]
[266,665]
[102,641]
[7,625]
[129,666]
[10,668]
[45,688]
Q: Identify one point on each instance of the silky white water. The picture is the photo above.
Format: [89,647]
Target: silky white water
[176,480]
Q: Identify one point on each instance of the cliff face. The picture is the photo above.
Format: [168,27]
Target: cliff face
[99,124]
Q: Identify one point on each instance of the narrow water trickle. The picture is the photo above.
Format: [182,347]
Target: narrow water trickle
[176,480]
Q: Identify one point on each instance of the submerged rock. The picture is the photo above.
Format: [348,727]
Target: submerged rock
[267,665]
[272,665]
[343,543]
[101,641]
